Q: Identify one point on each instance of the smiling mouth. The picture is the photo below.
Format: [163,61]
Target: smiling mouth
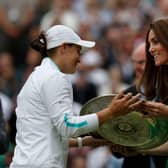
[155,57]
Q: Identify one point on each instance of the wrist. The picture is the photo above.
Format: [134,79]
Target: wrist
[103,115]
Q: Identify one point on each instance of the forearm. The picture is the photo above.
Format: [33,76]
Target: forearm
[160,150]
[103,116]
[94,142]
[88,141]
[81,141]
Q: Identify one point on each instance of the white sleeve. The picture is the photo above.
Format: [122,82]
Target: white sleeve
[57,96]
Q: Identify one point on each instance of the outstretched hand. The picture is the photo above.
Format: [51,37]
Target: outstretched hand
[153,109]
[123,150]
[94,142]
[122,104]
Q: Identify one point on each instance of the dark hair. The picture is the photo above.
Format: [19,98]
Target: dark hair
[39,44]
[155,79]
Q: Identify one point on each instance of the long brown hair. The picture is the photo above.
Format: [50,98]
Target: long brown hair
[155,79]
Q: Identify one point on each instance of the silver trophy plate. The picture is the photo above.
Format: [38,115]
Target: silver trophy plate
[132,130]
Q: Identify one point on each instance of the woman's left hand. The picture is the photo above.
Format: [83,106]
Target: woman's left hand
[157,109]
[94,142]
[123,150]
[153,109]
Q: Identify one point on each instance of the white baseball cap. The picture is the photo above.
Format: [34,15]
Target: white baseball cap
[60,34]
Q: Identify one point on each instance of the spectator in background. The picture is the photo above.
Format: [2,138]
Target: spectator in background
[128,38]
[3,134]
[60,12]
[16,18]
[9,83]
[138,60]
[7,106]
[32,60]
[91,64]
[5,155]
[8,89]
[83,89]
[115,83]
[118,45]
[111,43]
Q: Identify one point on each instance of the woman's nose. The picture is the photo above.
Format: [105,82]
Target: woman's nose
[151,49]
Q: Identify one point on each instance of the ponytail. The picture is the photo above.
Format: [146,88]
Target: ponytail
[39,44]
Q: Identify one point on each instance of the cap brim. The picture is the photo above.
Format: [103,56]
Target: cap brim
[86,44]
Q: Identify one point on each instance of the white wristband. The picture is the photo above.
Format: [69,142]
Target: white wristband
[79,140]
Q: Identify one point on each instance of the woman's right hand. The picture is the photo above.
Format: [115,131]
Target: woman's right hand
[120,105]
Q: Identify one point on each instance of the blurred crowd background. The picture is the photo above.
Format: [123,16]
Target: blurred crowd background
[117,26]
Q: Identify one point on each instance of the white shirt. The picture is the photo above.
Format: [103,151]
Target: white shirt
[45,119]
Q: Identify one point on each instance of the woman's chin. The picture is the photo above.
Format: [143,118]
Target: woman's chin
[157,64]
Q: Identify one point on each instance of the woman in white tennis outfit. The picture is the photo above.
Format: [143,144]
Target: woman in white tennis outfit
[45,121]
